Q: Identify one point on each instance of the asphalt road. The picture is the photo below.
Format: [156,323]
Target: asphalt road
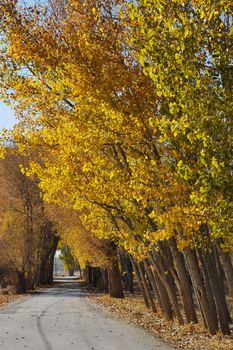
[62,318]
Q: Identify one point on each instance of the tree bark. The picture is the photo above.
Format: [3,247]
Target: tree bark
[211,322]
[186,290]
[146,287]
[46,272]
[141,286]
[166,305]
[22,283]
[208,288]
[114,278]
[228,269]
[153,282]
[219,297]
[104,278]
[164,275]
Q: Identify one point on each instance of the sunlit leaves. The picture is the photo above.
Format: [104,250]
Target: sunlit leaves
[125,111]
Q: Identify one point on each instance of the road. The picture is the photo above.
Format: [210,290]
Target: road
[62,318]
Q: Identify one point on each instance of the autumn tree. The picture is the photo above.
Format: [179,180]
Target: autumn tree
[28,238]
[126,116]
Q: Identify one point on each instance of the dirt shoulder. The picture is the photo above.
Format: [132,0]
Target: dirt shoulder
[188,337]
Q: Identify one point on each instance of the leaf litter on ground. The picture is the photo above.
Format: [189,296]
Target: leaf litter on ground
[188,337]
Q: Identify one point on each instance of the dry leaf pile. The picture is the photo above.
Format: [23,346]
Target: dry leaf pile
[7,298]
[187,337]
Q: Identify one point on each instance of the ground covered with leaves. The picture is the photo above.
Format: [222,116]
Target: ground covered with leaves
[7,298]
[188,337]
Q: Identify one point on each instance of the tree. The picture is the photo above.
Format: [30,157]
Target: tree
[122,115]
[28,238]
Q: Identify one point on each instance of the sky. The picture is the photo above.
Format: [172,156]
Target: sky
[7,119]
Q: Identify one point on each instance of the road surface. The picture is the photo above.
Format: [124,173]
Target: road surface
[62,318]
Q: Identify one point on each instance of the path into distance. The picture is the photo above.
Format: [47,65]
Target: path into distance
[62,318]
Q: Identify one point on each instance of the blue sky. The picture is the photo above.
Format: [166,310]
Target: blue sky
[7,118]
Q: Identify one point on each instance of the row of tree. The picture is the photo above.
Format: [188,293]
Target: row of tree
[28,238]
[125,114]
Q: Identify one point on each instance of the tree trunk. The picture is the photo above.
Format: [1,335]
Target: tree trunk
[141,286]
[104,278]
[166,305]
[46,273]
[208,287]
[153,282]
[219,297]
[228,269]
[165,276]
[186,290]
[22,284]
[211,322]
[114,278]
[146,287]
[71,272]
[87,274]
